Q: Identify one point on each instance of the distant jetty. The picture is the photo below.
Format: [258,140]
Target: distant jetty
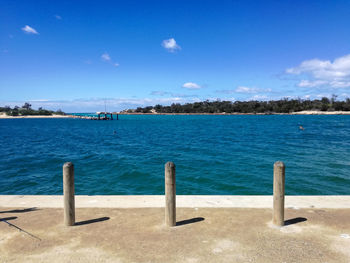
[100,116]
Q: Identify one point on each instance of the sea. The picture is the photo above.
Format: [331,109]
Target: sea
[213,154]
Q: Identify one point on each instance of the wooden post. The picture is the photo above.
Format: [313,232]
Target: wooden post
[170,194]
[68,192]
[278,193]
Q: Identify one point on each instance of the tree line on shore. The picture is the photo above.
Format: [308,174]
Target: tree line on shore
[273,106]
[26,110]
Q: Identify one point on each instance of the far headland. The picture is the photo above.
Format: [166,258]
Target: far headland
[324,106]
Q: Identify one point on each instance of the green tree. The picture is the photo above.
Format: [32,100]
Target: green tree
[27,106]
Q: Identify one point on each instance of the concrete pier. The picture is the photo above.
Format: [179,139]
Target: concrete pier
[209,229]
[184,201]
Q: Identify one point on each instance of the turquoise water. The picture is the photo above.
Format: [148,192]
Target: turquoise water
[213,154]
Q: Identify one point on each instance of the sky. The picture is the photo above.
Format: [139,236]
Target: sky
[79,55]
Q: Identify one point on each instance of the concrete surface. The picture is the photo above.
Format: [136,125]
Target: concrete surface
[202,235]
[143,201]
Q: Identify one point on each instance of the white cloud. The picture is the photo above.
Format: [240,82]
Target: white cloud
[340,83]
[345,95]
[311,84]
[160,93]
[191,85]
[319,96]
[220,99]
[320,73]
[29,30]
[171,94]
[170,45]
[259,97]
[105,57]
[58,17]
[243,89]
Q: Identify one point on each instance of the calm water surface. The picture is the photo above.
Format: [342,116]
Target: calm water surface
[213,154]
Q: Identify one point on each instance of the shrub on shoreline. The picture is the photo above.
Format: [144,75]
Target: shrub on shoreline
[272,106]
[26,110]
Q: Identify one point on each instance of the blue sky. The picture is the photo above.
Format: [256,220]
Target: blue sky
[75,55]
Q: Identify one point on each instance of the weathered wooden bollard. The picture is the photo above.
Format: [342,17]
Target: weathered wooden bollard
[68,192]
[278,193]
[170,194]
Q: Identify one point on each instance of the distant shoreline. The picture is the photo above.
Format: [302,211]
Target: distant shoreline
[238,113]
[3,116]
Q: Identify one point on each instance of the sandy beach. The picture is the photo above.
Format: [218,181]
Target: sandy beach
[321,113]
[4,116]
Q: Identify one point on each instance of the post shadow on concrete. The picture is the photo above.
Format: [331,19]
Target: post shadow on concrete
[20,210]
[69,199]
[8,218]
[90,221]
[190,221]
[295,220]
